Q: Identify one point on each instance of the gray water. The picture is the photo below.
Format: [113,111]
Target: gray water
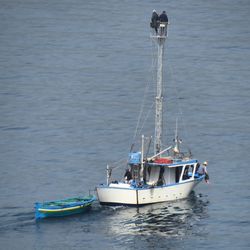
[72,78]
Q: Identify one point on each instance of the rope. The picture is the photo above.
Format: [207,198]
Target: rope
[146,117]
[117,163]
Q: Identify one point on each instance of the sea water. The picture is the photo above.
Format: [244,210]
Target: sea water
[72,82]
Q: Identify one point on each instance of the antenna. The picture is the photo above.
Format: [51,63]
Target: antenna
[176,148]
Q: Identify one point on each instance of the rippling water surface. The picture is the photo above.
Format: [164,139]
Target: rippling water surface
[72,78]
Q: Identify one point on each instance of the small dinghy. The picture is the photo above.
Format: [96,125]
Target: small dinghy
[63,207]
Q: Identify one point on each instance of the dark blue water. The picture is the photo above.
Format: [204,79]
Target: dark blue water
[72,78]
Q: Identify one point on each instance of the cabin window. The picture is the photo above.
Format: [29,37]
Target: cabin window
[190,170]
[178,173]
[185,173]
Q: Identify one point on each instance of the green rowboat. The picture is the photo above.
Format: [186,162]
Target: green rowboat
[63,207]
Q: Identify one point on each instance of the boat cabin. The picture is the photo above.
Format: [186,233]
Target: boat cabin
[161,171]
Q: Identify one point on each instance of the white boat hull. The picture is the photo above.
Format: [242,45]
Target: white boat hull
[116,195]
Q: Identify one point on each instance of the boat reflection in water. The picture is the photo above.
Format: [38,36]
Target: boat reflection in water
[162,219]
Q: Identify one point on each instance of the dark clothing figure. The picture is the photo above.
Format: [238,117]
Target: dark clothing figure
[206,178]
[155,21]
[127,175]
[163,17]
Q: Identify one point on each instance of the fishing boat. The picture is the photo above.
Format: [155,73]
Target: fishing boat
[168,174]
[63,207]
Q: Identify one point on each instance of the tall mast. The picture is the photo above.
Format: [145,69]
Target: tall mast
[160,38]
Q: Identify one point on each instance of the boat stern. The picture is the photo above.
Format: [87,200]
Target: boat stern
[117,194]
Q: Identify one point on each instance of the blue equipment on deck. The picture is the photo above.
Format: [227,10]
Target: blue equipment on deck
[134,158]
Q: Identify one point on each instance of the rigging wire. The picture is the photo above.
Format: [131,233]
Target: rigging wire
[141,122]
[143,113]
[179,107]
[118,164]
[146,117]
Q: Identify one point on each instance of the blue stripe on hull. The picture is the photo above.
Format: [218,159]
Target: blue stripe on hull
[133,205]
[200,178]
